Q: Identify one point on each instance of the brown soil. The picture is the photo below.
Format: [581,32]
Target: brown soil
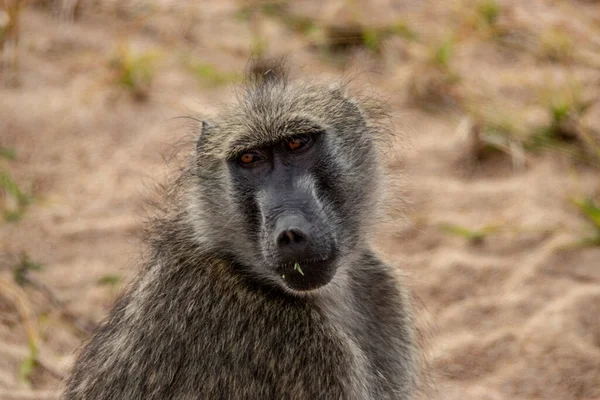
[513,316]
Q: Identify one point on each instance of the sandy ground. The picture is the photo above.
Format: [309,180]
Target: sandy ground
[515,316]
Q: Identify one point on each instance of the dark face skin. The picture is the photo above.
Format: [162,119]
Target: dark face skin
[286,206]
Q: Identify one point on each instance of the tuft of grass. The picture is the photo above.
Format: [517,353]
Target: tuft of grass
[5,21]
[16,294]
[489,12]
[112,281]
[442,55]
[10,17]
[210,75]
[473,236]
[243,14]
[134,72]
[297,268]
[274,8]
[12,210]
[13,215]
[23,267]
[9,185]
[373,38]
[280,10]
[434,82]
[339,39]
[487,139]
[7,153]
[15,200]
[401,29]
[496,128]
[483,17]
[591,211]
[302,25]
[565,107]
[109,280]
[29,364]
[556,46]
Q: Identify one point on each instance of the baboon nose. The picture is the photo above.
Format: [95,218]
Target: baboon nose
[292,235]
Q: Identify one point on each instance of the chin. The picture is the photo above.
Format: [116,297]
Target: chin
[306,276]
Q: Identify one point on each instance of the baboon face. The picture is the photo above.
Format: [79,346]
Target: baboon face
[286,204]
[297,186]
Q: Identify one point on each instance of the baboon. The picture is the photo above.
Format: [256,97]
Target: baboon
[260,281]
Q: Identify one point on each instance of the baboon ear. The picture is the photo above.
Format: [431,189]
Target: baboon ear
[340,92]
[205,127]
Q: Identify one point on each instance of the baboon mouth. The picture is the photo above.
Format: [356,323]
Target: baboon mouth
[307,274]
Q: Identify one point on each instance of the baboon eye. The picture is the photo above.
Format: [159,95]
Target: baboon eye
[299,142]
[250,158]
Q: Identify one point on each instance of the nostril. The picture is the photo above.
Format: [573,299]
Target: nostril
[284,238]
[290,236]
[296,236]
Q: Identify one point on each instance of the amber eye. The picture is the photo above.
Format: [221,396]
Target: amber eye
[250,158]
[298,142]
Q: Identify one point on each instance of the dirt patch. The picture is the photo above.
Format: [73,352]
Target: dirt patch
[509,294]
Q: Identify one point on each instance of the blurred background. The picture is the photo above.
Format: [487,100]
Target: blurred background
[496,102]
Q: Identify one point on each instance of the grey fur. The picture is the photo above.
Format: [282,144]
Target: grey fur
[202,320]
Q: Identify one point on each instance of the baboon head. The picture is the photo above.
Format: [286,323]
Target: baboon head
[286,181]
